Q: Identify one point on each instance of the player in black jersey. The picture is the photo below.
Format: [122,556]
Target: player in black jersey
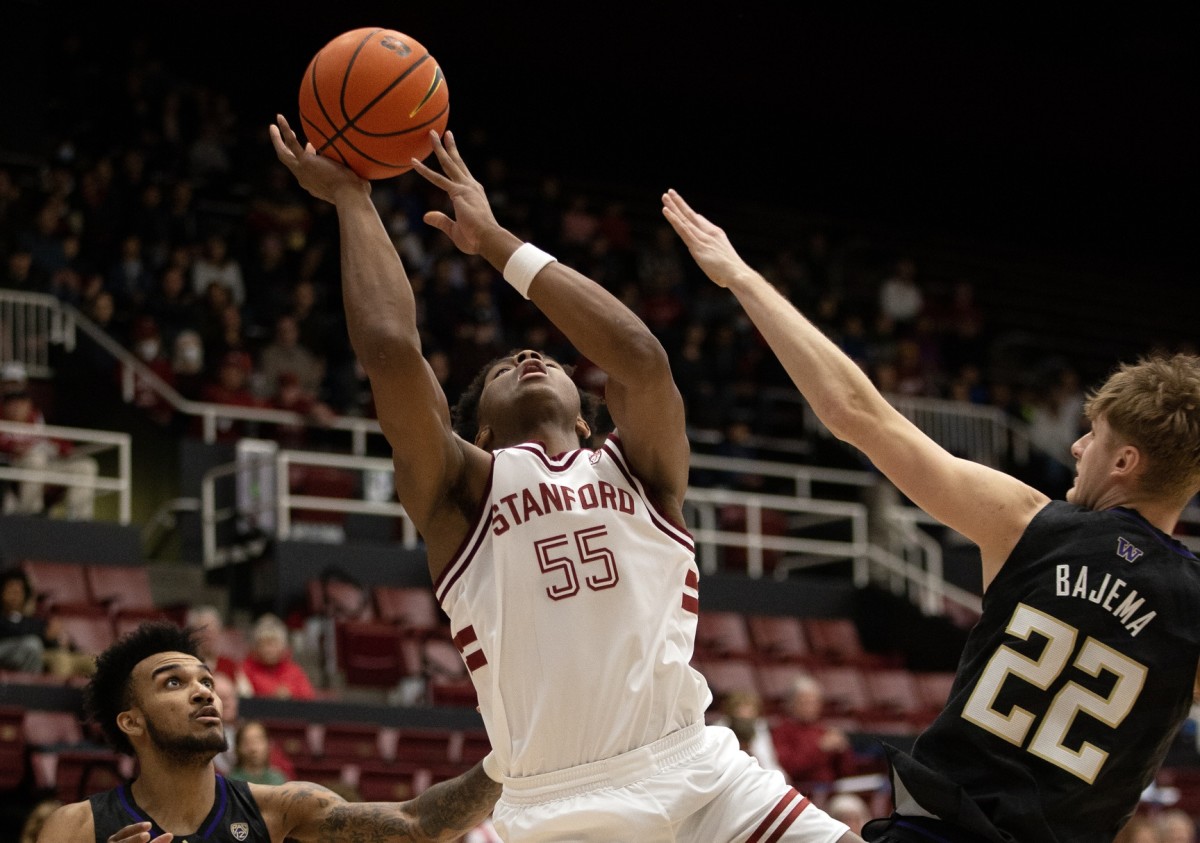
[1083,666]
[153,697]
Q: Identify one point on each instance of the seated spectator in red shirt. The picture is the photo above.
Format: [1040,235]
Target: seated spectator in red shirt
[269,666]
[292,395]
[812,754]
[232,388]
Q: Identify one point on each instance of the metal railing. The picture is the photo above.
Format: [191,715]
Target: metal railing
[36,321]
[262,499]
[85,443]
[258,494]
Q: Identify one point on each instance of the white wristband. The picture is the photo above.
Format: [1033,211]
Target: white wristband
[526,262]
[492,767]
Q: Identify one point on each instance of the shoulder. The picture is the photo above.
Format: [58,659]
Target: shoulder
[70,823]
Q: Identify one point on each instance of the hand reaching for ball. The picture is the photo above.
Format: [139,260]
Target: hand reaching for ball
[472,212]
[321,176]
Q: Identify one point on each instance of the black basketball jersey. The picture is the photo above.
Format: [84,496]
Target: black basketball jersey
[1071,687]
[234,817]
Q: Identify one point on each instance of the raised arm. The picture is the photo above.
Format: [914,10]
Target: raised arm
[430,460]
[641,395]
[309,813]
[987,506]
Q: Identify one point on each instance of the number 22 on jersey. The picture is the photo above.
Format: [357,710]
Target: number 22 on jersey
[1072,698]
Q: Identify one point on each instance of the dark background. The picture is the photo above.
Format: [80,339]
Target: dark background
[1071,132]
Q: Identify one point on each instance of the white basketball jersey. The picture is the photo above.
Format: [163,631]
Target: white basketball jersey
[573,603]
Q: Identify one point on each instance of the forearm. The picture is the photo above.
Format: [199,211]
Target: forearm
[378,299]
[839,392]
[595,321]
[450,809]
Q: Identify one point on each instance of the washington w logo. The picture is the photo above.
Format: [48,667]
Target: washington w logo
[1126,550]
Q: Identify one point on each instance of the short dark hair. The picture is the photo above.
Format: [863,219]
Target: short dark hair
[17,574]
[465,416]
[110,690]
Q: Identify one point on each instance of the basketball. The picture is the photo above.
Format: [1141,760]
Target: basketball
[369,99]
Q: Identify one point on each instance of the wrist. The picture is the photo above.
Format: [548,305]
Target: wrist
[526,261]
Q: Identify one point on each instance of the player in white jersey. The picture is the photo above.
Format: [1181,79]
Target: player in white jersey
[567,574]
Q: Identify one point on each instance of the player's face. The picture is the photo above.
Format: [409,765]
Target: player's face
[176,706]
[527,378]
[1094,453]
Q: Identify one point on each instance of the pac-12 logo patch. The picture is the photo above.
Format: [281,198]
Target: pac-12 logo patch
[240,831]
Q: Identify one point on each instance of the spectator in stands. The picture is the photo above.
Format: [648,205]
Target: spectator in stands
[1176,825]
[813,754]
[187,365]
[209,631]
[742,712]
[269,667]
[286,355]
[23,636]
[153,698]
[851,809]
[900,297]
[172,304]
[148,348]
[253,751]
[291,395]
[30,643]
[35,451]
[232,388]
[217,265]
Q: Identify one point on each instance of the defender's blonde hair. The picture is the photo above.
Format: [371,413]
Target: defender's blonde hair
[1154,405]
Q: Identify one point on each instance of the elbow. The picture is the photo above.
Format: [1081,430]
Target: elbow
[383,349]
[645,354]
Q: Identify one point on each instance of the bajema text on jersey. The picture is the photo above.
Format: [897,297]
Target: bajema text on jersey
[1108,593]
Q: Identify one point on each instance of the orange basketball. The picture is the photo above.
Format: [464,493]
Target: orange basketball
[369,99]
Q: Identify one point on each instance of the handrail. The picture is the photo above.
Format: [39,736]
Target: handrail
[63,320]
[102,440]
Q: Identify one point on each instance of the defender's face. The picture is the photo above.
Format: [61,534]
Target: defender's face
[174,694]
[1094,453]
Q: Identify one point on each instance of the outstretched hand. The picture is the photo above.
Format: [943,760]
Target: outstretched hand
[707,243]
[472,211]
[321,176]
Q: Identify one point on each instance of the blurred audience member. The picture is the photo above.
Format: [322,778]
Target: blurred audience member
[812,754]
[30,643]
[253,750]
[210,638]
[148,346]
[232,388]
[742,712]
[286,355]
[851,809]
[32,450]
[216,265]
[269,666]
[291,395]
[187,364]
